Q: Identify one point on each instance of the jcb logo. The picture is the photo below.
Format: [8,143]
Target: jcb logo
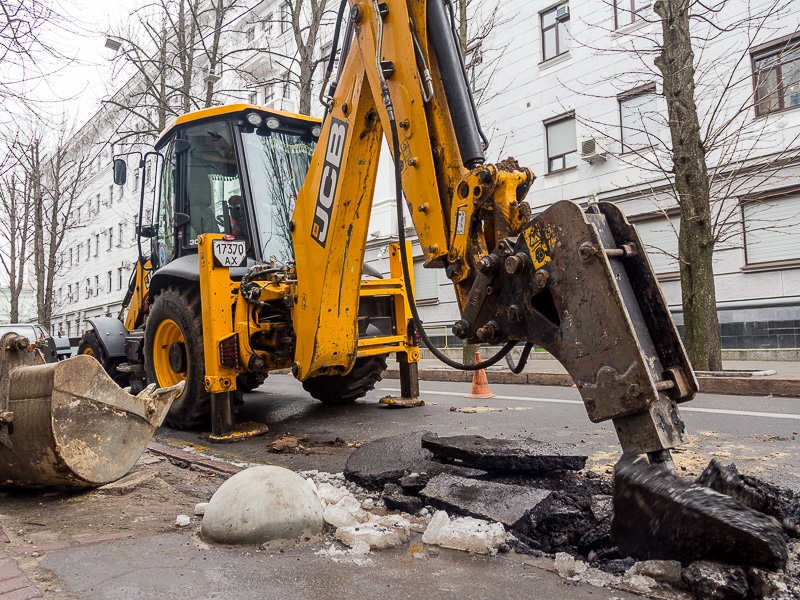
[330,177]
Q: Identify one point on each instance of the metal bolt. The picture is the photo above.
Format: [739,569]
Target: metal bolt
[451,271]
[488,264]
[424,208]
[588,250]
[460,328]
[487,332]
[540,278]
[404,124]
[514,313]
[517,263]
[484,175]
[433,248]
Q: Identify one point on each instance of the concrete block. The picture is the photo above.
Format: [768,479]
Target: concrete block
[528,456]
[658,515]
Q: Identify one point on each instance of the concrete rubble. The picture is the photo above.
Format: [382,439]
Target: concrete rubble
[465,533]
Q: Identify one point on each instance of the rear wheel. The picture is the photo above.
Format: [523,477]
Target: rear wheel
[344,389]
[173,352]
[91,346]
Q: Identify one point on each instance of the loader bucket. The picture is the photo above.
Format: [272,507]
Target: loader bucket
[68,423]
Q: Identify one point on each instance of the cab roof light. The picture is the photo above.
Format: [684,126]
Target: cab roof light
[255,119]
[273,123]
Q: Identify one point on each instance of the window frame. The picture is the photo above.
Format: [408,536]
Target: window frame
[634,12]
[555,25]
[773,48]
[771,264]
[644,90]
[666,215]
[552,121]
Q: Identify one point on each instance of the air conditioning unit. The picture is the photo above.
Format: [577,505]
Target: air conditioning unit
[562,13]
[594,150]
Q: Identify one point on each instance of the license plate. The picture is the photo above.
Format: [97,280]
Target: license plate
[229,253]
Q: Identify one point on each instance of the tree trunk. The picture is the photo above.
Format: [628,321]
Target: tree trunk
[695,241]
[462,30]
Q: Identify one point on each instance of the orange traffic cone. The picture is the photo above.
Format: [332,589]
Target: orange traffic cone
[480,385]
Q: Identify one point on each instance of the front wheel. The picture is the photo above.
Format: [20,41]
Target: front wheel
[173,352]
[345,389]
[91,346]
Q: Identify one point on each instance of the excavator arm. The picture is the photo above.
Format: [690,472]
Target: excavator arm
[575,282]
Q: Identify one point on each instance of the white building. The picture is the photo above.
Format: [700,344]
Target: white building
[565,94]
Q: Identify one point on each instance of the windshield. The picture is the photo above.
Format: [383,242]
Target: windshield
[277,164]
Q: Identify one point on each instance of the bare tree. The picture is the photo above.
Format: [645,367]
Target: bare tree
[15,233]
[715,152]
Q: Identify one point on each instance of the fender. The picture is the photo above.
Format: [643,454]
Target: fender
[111,334]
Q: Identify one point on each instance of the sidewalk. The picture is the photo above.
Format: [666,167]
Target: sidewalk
[543,369]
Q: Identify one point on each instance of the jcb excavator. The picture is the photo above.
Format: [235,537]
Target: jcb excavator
[256,258]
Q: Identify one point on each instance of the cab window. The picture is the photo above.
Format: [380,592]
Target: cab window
[213,187]
[165,234]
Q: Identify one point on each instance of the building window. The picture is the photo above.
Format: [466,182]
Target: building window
[287,85]
[110,195]
[426,284]
[108,281]
[97,244]
[555,31]
[562,146]
[96,285]
[70,257]
[119,278]
[251,34]
[269,93]
[639,118]
[88,288]
[97,205]
[69,293]
[267,23]
[253,98]
[660,239]
[286,17]
[135,225]
[110,237]
[771,229]
[628,11]
[121,234]
[776,76]
[88,248]
[136,180]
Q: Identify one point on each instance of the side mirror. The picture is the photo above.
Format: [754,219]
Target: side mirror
[182,146]
[120,171]
[180,219]
[147,231]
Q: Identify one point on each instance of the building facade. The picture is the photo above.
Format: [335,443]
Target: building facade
[570,90]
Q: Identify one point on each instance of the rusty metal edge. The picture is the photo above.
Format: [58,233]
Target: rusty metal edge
[223,468]
[730,386]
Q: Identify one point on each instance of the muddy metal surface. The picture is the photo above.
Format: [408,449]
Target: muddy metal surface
[124,543]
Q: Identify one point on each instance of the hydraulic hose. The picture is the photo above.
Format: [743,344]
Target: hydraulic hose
[398,182]
[523,359]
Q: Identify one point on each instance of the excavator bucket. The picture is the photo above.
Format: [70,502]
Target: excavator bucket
[68,423]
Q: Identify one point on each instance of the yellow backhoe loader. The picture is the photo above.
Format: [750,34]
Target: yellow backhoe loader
[256,248]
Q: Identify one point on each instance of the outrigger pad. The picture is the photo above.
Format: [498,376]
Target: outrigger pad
[658,515]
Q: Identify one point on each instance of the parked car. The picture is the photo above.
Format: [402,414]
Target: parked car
[37,335]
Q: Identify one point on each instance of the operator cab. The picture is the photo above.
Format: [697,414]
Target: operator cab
[234,170]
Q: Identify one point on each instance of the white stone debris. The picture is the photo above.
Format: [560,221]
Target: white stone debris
[200,508]
[465,533]
[182,520]
[368,504]
[664,571]
[377,536]
[331,494]
[345,513]
[639,583]
[399,524]
[567,566]
[598,578]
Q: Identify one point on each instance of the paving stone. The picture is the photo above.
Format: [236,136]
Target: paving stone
[658,515]
[506,504]
[714,581]
[529,456]
[374,464]
[9,585]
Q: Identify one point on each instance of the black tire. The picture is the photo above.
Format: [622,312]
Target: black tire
[91,345]
[178,307]
[345,389]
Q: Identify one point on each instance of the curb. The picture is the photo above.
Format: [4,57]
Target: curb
[730,386]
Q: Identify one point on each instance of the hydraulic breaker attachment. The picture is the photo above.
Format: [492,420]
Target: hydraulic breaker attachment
[68,423]
[580,285]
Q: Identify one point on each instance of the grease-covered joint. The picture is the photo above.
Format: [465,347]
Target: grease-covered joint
[489,264]
[517,263]
[588,250]
[488,332]
[540,278]
[16,343]
[514,313]
[459,328]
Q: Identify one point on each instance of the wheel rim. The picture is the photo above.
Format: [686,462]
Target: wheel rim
[88,352]
[167,334]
